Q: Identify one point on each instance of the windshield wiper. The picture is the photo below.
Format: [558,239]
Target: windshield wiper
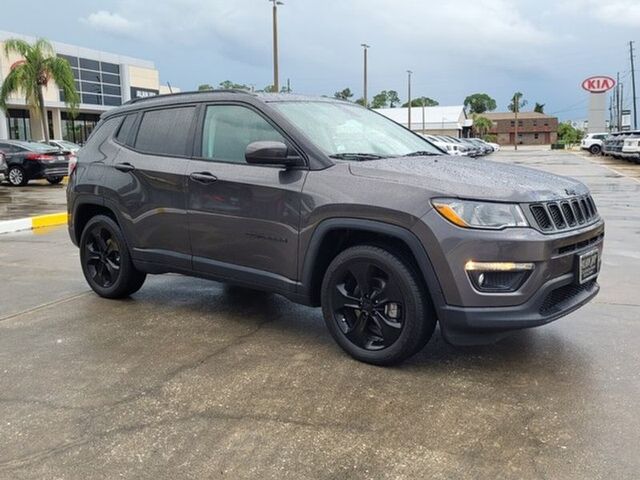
[356,156]
[421,153]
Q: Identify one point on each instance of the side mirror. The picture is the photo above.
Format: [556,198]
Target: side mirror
[271,153]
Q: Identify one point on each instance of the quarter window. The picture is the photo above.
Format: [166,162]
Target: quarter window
[125,129]
[166,132]
[228,129]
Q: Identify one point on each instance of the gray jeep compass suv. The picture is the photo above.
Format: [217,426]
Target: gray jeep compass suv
[332,205]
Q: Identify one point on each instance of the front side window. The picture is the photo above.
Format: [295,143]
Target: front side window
[228,129]
[342,130]
[166,132]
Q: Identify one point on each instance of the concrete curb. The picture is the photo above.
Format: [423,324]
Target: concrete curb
[40,221]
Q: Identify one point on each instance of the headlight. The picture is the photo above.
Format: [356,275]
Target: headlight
[473,214]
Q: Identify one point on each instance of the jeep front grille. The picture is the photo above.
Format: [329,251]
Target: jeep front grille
[564,214]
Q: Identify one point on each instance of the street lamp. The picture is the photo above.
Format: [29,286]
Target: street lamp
[276,83]
[409,72]
[365,47]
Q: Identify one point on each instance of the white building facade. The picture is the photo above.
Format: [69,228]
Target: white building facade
[103,80]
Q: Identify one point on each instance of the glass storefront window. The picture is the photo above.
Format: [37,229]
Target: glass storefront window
[78,129]
[19,124]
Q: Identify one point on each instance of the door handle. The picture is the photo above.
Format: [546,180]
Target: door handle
[203,177]
[124,167]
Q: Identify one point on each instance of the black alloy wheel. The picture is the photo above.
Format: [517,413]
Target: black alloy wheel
[376,306]
[102,257]
[105,259]
[368,305]
[54,180]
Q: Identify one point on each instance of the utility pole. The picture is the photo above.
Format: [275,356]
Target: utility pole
[516,107]
[633,87]
[365,47]
[288,85]
[617,101]
[621,104]
[276,83]
[409,72]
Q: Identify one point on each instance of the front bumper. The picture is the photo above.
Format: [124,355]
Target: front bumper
[468,316]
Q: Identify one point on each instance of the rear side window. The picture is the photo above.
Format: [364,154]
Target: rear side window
[166,132]
[124,133]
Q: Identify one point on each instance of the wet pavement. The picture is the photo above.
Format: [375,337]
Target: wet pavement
[36,198]
[190,379]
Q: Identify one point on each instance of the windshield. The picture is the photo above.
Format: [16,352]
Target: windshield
[353,132]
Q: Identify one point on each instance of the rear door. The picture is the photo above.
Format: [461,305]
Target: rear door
[147,182]
[242,216]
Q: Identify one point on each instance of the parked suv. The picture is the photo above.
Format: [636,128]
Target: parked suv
[331,204]
[593,142]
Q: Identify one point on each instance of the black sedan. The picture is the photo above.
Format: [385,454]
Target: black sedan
[31,161]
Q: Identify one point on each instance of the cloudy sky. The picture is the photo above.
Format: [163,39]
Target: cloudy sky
[543,48]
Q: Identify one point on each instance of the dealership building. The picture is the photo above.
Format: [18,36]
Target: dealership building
[438,120]
[103,80]
[533,128]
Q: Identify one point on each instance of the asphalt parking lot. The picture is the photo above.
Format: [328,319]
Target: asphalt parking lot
[191,379]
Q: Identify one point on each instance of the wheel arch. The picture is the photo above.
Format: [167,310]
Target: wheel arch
[332,236]
[85,210]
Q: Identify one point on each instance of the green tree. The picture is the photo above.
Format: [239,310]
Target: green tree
[204,87]
[360,101]
[422,101]
[479,103]
[31,75]
[517,102]
[539,107]
[393,98]
[481,125]
[380,100]
[345,94]
[567,134]
[229,85]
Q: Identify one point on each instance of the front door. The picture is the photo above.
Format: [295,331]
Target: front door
[242,217]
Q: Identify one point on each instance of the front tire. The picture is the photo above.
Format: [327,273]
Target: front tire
[54,180]
[375,306]
[105,259]
[17,177]
[595,149]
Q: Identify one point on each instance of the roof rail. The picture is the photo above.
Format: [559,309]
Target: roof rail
[177,94]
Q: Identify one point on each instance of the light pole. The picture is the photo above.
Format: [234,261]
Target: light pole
[365,48]
[276,83]
[409,72]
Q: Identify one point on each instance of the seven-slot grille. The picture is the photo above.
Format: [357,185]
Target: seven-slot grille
[564,214]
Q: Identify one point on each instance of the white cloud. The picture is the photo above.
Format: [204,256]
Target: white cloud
[111,23]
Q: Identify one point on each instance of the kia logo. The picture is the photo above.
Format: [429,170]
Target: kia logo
[598,84]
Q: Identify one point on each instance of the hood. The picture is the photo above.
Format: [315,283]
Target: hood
[471,178]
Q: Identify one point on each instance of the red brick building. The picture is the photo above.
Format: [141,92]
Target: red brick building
[533,128]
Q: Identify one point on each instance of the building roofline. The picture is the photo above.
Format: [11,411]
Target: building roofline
[78,51]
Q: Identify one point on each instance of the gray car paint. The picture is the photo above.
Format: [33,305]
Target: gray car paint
[255,224]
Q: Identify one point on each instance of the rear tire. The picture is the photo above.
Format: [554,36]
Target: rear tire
[375,306]
[595,149]
[54,180]
[17,177]
[105,259]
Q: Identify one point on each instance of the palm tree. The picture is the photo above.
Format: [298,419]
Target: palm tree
[32,74]
[481,124]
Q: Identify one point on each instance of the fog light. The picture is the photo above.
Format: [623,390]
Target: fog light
[498,276]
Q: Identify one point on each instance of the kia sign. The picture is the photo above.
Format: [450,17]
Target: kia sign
[598,84]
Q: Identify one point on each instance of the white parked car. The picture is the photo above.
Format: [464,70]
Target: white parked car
[64,145]
[631,148]
[593,142]
[452,148]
